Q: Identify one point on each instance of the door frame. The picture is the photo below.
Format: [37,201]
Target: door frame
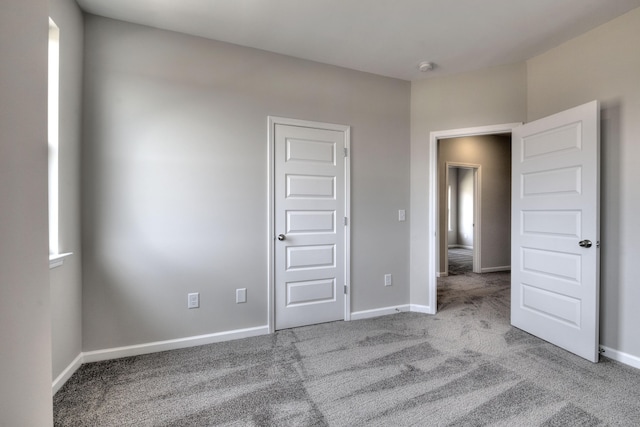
[272,121]
[477,218]
[432,170]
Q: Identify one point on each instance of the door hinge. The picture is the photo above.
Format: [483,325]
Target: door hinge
[346,151]
[346,290]
[346,221]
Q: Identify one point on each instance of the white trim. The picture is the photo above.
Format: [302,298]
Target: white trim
[441,274]
[108,354]
[56,260]
[347,225]
[271,122]
[415,308]
[432,171]
[153,347]
[621,357]
[496,269]
[376,312]
[385,311]
[271,236]
[67,373]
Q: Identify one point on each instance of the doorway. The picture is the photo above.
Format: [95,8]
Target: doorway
[434,203]
[460,219]
[555,222]
[481,165]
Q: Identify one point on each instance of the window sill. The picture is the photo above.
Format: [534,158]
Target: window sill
[58,259]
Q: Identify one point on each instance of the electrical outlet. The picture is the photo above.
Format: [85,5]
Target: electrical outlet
[193,300]
[402,215]
[241,295]
[388,280]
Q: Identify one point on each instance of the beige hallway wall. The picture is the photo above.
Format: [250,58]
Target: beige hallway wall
[493,154]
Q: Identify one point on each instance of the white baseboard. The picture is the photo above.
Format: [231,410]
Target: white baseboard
[367,314]
[495,269]
[135,350]
[154,347]
[384,311]
[621,357]
[442,274]
[415,308]
[67,373]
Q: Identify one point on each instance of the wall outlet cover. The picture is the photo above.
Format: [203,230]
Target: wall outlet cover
[388,280]
[193,300]
[241,295]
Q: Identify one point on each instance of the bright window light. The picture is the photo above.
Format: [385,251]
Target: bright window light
[54,79]
[449,207]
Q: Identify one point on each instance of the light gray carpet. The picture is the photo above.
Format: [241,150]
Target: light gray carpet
[460,261]
[463,367]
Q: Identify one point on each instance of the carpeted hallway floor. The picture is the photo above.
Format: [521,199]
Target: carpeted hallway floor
[460,260]
[464,366]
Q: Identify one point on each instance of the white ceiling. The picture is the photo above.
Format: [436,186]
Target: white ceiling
[386,37]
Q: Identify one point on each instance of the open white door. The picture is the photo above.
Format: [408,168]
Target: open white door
[555,234]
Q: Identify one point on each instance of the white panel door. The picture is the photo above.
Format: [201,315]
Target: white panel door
[309,210]
[555,229]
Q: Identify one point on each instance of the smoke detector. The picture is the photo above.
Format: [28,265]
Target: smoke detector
[425,66]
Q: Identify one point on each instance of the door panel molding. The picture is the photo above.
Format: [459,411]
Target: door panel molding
[556,204]
[322,154]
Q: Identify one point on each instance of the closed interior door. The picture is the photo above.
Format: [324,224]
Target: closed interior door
[555,229]
[309,225]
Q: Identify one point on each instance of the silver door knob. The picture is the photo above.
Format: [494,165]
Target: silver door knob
[281,237]
[585,243]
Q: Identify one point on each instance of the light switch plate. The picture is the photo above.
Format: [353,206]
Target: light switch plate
[402,215]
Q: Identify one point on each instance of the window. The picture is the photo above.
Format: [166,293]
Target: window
[449,208]
[53,120]
[55,257]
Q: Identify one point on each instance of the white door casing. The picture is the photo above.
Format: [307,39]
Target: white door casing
[432,237]
[309,231]
[555,207]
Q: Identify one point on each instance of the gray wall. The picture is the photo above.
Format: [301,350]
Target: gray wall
[486,97]
[493,154]
[66,281]
[604,64]
[175,179]
[25,316]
